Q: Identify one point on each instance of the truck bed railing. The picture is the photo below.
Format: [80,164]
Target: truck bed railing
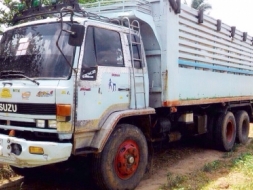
[118,6]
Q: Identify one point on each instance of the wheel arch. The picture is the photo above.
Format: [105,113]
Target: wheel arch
[140,118]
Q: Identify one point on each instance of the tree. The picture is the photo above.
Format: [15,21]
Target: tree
[201,5]
[7,11]
[10,8]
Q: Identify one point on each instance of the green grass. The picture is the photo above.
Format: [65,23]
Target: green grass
[244,165]
[175,180]
[212,166]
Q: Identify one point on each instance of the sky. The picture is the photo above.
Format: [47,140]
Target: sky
[233,12]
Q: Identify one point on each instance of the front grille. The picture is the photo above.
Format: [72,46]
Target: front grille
[33,136]
[37,109]
[3,122]
[32,109]
[22,124]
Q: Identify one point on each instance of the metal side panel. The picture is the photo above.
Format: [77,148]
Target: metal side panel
[199,84]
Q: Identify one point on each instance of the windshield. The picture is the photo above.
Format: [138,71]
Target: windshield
[32,50]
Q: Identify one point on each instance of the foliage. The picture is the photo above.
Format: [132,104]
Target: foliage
[87,1]
[7,13]
[175,180]
[11,8]
[201,5]
[211,166]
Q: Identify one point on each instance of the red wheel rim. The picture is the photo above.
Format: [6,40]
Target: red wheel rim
[127,159]
[230,131]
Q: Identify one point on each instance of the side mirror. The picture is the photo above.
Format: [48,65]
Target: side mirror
[76,35]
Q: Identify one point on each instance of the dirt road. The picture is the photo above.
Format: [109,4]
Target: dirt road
[178,158]
[185,158]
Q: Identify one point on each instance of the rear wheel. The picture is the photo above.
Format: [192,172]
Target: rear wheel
[242,124]
[123,161]
[225,131]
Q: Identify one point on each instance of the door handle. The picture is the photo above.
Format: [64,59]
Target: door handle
[123,89]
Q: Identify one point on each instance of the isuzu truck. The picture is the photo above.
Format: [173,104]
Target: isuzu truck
[108,79]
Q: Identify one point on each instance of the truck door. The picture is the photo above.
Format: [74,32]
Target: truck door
[104,83]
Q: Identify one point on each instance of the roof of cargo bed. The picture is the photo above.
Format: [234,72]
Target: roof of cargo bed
[118,6]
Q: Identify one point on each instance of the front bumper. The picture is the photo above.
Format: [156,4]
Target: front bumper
[53,152]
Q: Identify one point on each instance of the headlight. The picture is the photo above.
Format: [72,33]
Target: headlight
[40,123]
[52,124]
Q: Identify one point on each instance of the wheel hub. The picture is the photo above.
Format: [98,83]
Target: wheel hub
[131,160]
[127,159]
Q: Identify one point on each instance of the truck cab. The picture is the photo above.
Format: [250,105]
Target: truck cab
[63,84]
[34,108]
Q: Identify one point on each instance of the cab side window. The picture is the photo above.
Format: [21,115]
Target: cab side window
[103,48]
[89,58]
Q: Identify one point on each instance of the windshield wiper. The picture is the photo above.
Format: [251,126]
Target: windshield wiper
[12,73]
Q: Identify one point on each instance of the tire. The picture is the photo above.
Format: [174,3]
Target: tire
[123,161]
[225,132]
[242,127]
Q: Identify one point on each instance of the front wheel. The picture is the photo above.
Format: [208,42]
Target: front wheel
[123,161]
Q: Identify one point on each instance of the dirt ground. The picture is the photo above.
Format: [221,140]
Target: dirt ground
[193,160]
[178,158]
[186,157]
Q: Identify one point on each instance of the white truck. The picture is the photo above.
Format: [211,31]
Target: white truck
[110,78]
